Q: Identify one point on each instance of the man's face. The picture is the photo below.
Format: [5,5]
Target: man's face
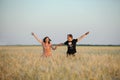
[69,38]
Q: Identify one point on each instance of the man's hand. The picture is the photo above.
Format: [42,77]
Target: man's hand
[87,33]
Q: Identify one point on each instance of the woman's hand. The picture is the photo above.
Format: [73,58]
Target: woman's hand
[32,33]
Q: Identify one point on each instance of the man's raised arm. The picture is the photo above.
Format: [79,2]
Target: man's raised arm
[83,36]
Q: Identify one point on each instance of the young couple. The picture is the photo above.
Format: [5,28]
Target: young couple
[71,44]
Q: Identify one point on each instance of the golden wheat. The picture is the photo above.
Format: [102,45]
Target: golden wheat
[90,63]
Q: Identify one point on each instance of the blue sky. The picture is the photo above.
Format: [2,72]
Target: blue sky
[57,18]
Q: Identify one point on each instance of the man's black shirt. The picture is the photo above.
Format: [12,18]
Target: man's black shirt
[71,46]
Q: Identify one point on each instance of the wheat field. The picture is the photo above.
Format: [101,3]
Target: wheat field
[90,63]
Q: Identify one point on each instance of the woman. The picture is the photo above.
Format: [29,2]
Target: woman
[47,46]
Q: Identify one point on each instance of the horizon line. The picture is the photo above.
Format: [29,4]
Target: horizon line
[65,45]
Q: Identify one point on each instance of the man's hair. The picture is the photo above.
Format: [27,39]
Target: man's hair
[46,38]
[70,35]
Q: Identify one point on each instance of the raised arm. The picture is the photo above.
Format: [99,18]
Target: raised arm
[35,36]
[83,36]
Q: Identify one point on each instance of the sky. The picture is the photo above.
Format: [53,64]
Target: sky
[57,18]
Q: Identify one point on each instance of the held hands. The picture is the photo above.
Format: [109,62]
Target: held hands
[60,44]
[55,47]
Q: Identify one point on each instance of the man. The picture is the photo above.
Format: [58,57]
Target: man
[71,43]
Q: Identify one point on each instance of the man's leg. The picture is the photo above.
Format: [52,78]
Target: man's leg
[73,54]
[67,54]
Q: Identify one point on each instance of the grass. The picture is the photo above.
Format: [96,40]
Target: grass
[90,63]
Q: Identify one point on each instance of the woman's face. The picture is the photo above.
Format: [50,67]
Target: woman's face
[47,40]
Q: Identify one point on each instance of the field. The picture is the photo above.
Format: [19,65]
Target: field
[90,63]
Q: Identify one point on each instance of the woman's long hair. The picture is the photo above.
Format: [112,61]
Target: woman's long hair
[46,38]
